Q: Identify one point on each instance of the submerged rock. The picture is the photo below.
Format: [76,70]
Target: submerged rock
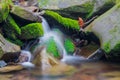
[106,28]
[31,31]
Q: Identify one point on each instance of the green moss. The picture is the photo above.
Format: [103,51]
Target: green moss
[66,22]
[1,52]
[16,41]
[69,46]
[52,48]
[4,11]
[12,25]
[32,30]
[8,32]
[106,47]
[116,48]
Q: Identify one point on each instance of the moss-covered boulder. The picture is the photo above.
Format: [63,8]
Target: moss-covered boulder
[31,31]
[69,46]
[66,22]
[4,10]
[11,30]
[12,26]
[78,8]
[107,29]
[52,47]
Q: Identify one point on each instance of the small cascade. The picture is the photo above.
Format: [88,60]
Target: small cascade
[69,59]
[45,25]
[56,36]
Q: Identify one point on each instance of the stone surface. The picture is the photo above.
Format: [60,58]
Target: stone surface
[25,14]
[76,8]
[7,46]
[11,68]
[107,27]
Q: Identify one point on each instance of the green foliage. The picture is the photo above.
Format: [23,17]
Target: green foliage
[66,22]
[52,48]
[4,11]
[69,46]
[32,30]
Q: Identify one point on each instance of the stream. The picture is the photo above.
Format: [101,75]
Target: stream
[79,68]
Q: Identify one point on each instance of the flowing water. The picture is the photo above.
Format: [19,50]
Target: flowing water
[59,39]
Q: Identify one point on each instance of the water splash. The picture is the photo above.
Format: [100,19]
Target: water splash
[25,58]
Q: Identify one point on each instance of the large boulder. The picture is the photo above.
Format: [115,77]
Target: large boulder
[76,8]
[107,29]
[25,14]
[6,46]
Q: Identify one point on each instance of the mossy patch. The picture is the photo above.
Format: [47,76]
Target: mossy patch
[16,41]
[4,11]
[12,25]
[106,47]
[69,46]
[31,31]
[1,52]
[52,47]
[66,22]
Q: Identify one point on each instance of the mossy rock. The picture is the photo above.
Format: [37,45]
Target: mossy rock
[31,31]
[107,29]
[52,47]
[69,46]
[66,22]
[11,30]
[12,25]
[4,10]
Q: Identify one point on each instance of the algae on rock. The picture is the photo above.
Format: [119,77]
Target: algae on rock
[4,11]
[52,47]
[69,46]
[11,30]
[31,31]
[66,22]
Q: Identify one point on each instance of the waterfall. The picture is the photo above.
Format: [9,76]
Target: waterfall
[45,25]
[69,59]
[56,36]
